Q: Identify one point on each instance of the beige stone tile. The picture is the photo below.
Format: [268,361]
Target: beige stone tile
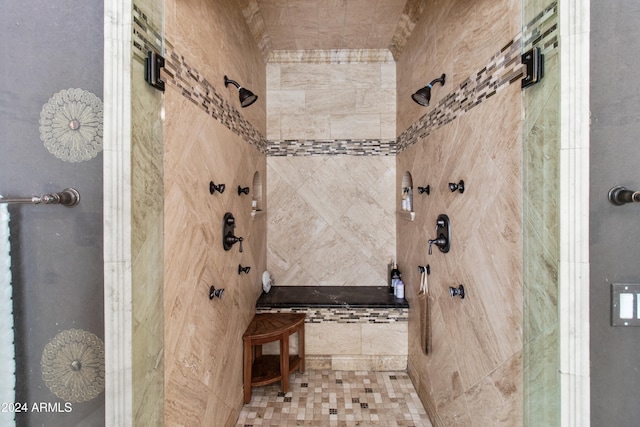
[286,101]
[299,126]
[377,101]
[332,101]
[384,339]
[388,126]
[148,375]
[541,382]
[306,76]
[273,127]
[332,338]
[317,362]
[355,126]
[273,79]
[388,75]
[502,392]
[355,75]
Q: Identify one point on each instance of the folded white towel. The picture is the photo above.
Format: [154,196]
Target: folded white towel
[7,351]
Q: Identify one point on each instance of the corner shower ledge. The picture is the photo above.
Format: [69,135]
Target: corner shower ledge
[330,297]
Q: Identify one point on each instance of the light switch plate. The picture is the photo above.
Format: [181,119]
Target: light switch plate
[625,304]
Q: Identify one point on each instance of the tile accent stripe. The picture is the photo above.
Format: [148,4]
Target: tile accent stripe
[542,30]
[193,86]
[179,74]
[502,69]
[311,147]
[146,35]
[345,315]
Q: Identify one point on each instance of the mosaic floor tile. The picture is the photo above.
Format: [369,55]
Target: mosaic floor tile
[337,398]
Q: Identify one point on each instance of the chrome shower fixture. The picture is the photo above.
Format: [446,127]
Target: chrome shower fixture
[213,292]
[453,187]
[246,96]
[422,190]
[456,292]
[423,96]
[216,187]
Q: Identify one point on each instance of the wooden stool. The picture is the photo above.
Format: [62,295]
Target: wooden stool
[262,369]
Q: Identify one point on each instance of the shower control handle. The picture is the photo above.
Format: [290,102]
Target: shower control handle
[443,230]
[230,240]
[228,227]
[440,242]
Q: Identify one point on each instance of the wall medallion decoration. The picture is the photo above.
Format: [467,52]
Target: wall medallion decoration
[71,125]
[73,365]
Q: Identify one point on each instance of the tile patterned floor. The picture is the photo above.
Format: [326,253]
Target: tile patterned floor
[337,398]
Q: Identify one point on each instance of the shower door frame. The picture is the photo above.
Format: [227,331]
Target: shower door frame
[574,212]
[573,295]
[117,212]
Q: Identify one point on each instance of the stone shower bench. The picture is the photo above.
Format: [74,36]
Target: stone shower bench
[354,328]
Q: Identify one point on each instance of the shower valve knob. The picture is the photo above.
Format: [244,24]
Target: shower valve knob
[456,292]
[243,190]
[216,187]
[441,242]
[230,240]
[242,269]
[213,292]
[422,190]
[453,187]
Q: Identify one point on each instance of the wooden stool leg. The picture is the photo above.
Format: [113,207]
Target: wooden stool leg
[248,362]
[301,348]
[284,362]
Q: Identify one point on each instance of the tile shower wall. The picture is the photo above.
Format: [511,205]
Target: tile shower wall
[331,130]
[207,138]
[147,222]
[472,131]
[541,166]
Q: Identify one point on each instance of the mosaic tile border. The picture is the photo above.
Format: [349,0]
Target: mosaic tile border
[352,147]
[542,30]
[193,86]
[503,69]
[146,34]
[345,315]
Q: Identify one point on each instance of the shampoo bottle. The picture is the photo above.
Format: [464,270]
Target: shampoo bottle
[395,278]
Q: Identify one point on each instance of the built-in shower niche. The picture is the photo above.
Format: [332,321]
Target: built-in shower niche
[257,203]
[406,198]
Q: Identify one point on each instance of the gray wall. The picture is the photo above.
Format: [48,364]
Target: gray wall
[56,251]
[615,230]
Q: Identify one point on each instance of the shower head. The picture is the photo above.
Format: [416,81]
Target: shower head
[423,96]
[246,96]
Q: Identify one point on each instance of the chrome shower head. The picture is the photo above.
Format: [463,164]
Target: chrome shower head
[246,96]
[423,96]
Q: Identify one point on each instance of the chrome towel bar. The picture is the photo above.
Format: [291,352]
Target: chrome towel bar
[68,197]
